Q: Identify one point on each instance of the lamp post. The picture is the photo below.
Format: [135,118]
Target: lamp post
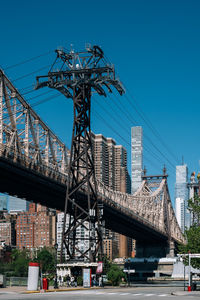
[56,279]
[129,272]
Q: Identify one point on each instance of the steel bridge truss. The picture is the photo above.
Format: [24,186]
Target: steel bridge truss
[149,205]
[79,74]
[25,138]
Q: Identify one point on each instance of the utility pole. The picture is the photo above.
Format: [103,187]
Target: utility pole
[80,74]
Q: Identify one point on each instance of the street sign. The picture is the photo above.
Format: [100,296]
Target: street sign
[129,271]
[192,255]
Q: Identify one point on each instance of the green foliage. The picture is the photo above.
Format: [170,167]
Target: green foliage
[79,281]
[106,265]
[20,261]
[194,208]
[192,234]
[6,269]
[46,258]
[193,245]
[115,275]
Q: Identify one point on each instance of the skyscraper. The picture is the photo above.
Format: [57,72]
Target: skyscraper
[136,157]
[17,204]
[181,197]
[3,202]
[110,161]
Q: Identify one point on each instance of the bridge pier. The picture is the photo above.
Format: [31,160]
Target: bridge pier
[171,249]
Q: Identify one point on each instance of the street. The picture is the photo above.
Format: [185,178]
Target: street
[139,293]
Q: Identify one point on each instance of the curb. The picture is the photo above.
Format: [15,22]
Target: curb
[58,290]
[185,293]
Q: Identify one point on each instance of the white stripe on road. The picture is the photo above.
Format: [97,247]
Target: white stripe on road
[148,295]
[137,294]
[111,293]
[124,294]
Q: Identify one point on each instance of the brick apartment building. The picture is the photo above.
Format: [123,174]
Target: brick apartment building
[36,228]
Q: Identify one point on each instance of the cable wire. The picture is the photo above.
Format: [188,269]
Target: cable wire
[28,60]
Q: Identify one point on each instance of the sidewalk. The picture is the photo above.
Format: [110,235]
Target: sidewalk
[186,293]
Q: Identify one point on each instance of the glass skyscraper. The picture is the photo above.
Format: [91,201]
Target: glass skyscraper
[182,196]
[136,157]
[3,201]
[17,204]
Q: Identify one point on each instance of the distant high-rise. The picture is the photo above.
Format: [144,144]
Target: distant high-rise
[110,161]
[181,197]
[3,202]
[17,204]
[136,157]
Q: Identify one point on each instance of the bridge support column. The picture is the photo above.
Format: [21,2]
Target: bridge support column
[171,249]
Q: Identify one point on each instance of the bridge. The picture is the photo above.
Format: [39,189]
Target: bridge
[34,166]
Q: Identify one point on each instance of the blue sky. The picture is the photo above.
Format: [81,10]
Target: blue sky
[155,48]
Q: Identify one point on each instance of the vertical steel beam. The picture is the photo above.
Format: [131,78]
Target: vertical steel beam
[26,140]
[1,108]
[81,174]
[47,149]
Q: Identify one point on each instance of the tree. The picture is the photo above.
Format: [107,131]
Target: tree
[192,234]
[20,261]
[46,258]
[106,265]
[115,275]
[194,208]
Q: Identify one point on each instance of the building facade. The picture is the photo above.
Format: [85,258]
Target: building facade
[110,161]
[194,191]
[15,204]
[36,228]
[7,229]
[82,235]
[3,202]
[136,157]
[181,197]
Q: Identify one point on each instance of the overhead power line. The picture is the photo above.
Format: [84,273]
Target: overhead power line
[112,116]
[140,112]
[28,60]
[120,136]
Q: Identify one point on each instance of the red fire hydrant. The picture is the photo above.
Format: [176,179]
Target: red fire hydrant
[45,284]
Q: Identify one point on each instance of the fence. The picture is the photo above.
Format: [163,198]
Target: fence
[16,281]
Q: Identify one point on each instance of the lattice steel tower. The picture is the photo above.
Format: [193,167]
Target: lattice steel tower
[81,73]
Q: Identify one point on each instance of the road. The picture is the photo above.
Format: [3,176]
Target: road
[140,293]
